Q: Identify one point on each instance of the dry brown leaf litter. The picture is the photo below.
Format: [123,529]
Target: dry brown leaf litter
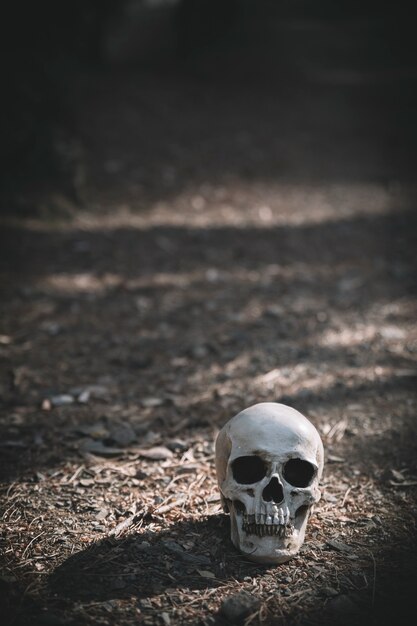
[146,539]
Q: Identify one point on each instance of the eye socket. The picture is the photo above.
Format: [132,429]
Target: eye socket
[298,473]
[248,469]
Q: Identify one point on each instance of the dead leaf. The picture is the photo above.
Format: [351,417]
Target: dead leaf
[411,483]
[339,546]
[157,453]
[397,475]
[206,574]
[343,518]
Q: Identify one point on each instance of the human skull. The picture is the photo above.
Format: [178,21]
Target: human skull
[269,460]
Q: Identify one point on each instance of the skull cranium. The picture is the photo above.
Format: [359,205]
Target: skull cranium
[269,460]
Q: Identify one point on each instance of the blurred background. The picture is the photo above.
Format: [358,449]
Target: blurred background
[205,192]
[157,97]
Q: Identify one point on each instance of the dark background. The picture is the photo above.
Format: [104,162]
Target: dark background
[330,61]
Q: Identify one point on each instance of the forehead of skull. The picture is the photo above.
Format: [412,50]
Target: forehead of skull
[273,429]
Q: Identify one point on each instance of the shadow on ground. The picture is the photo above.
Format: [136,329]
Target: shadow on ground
[148,564]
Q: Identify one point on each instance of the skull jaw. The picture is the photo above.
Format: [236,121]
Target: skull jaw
[267,549]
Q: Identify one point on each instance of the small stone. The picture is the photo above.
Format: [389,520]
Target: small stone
[175,548]
[150,403]
[98,526]
[61,400]
[52,328]
[139,362]
[392,332]
[102,514]
[343,608]
[98,392]
[329,497]
[330,591]
[236,608]
[97,430]
[96,447]
[86,482]
[177,445]
[123,434]
[199,351]
[198,203]
[118,583]
[166,619]
[84,397]
[275,310]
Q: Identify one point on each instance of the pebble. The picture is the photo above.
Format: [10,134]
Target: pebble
[123,434]
[118,583]
[343,608]
[84,394]
[96,447]
[174,547]
[166,619]
[237,607]
[330,591]
[102,514]
[199,351]
[61,400]
[150,403]
[392,332]
[97,430]
[139,362]
[177,445]
[84,397]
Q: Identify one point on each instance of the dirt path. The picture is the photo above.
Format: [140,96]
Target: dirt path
[240,242]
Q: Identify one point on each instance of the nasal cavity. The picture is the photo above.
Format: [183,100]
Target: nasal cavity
[273,491]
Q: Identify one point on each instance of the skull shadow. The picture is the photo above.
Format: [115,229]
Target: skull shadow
[190,554]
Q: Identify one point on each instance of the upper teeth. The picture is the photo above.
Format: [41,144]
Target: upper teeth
[279,530]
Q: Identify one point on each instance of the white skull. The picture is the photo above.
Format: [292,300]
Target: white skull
[269,460]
